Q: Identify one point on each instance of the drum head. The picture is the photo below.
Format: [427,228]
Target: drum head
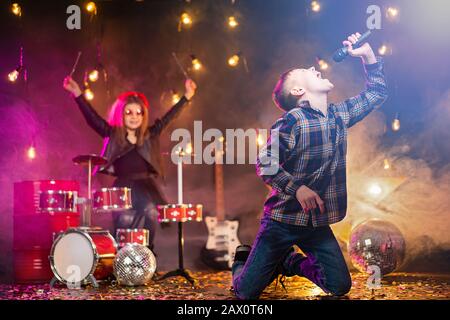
[73,257]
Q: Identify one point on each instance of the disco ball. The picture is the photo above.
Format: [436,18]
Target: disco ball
[134,265]
[376,243]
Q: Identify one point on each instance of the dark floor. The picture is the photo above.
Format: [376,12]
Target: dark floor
[398,286]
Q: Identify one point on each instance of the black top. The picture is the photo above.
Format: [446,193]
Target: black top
[132,163]
[114,150]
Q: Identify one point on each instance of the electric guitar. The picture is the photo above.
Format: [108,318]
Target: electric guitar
[222,234]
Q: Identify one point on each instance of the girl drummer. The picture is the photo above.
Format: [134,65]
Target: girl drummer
[131,147]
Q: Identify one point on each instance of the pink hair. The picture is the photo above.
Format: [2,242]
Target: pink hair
[115,117]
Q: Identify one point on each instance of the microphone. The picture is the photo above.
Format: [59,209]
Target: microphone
[342,53]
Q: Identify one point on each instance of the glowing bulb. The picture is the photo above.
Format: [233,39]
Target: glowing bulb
[221,139]
[396,124]
[93,75]
[31,153]
[13,76]
[196,64]
[233,61]
[387,166]
[189,148]
[175,97]
[375,189]
[323,65]
[392,12]
[16,9]
[232,22]
[89,94]
[315,6]
[186,19]
[260,140]
[383,50]
[91,7]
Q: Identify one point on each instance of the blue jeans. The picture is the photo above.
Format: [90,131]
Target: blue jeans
[323,264]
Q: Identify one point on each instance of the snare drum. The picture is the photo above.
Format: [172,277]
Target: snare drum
[79,253]
[57,201]
[172,213]
[139,236]
[194,212]
[112,199]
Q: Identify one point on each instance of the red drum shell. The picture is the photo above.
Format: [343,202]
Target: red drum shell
[112,199]
[194,212]
[139,236]
[73,246]
[27,193]
[172,213]
[57,201]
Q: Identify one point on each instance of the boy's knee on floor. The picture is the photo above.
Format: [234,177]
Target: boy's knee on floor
[340,288]
[245,294]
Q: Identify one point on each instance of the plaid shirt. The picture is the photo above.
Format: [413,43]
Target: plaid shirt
[311,151]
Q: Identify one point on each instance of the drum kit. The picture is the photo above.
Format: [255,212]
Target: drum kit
[85,254]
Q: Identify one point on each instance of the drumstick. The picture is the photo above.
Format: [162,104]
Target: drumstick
[180,66]
[75,64]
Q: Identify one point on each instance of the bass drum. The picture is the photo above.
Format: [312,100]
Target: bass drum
[79,253]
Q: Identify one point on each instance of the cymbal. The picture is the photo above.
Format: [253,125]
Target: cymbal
[96,160]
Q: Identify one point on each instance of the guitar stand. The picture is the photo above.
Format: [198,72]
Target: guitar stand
[180,271]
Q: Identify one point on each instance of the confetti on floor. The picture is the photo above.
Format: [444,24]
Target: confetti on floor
[209,286]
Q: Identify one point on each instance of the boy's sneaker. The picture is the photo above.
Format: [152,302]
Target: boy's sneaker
[280,272]
[242,253]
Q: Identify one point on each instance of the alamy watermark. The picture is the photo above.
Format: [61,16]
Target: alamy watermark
[238,146]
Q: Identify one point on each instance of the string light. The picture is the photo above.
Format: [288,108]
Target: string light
[233,61]
[175,97]
[392,12]
[323,65]
[196,64]
[384,50]
[189,148]
[375,189]
[396,123]
[88,94]
[91,7]
[387,166]
[315,6]
[260,140]
[14,75]
[232,22]
[16,9]
[186,19]
[31,152]
[93,75]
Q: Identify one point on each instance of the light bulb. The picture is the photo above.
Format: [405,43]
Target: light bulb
[315,6]
[91,7]
[186,19]
[89,95]
[31,153]
[16,9]
[175,98]
[196,64]
[13,75]
[93,75]
[233,61]
[232,22]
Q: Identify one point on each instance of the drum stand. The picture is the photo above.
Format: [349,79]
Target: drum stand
[91,279]
[86,204]
[180,271]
